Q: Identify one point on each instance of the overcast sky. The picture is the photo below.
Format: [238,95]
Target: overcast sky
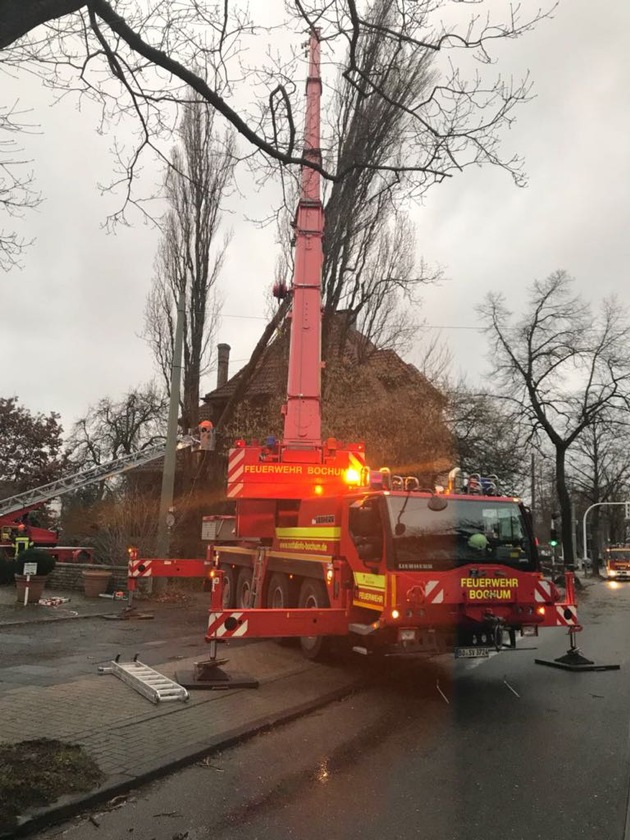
[70,319]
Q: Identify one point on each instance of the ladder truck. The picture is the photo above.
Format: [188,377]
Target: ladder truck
[18,532]
[321,546]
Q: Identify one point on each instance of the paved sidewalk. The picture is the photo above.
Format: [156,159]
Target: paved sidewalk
[133,740]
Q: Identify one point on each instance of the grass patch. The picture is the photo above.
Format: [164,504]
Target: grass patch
[36,773]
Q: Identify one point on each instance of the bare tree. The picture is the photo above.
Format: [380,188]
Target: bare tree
[564,365]
[379,290]
[488,437]
[369,243]
[370,269]
[114,428]
[190,256]
[127,517]
[434,357]
[108,430]
[16,186]
[599,472]
[141,60]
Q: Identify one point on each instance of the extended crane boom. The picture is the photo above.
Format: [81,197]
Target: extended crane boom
[302,421]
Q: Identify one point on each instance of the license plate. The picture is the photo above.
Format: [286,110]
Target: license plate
[471,653]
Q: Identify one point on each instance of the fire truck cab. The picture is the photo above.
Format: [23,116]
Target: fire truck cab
[617,560]
[458,566]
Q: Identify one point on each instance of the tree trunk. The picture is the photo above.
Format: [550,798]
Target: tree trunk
[565,509]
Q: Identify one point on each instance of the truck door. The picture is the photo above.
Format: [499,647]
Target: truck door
[365,526]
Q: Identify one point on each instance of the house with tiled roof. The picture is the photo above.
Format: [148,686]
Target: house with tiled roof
[369,394]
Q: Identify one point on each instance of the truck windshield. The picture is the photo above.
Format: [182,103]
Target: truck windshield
[614,554]
[465,531]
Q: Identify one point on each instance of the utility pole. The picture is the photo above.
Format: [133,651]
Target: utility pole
[165,518]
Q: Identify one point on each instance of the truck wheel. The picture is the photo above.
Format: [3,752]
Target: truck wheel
[243,588]
[278,592]
[229,586]
[313,595]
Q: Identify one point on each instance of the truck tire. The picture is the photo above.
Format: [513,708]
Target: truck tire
[313,595]
[278,592]
[229,587]
[243,588]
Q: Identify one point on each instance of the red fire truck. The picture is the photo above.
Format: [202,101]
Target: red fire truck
[322,546]
[397,568]
[18,532]
[617,560]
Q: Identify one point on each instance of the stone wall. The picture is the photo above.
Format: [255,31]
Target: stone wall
[67,576]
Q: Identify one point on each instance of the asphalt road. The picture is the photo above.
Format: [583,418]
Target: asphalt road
[518,752]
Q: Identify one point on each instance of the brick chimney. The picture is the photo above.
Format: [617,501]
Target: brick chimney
[223,362]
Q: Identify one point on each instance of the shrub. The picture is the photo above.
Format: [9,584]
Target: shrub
[45,562]
[7,568]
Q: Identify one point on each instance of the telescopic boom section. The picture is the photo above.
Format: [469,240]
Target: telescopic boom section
[302,422]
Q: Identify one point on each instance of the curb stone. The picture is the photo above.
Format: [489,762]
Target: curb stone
[21,622]
[72,805]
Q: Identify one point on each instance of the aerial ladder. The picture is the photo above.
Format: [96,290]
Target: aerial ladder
[17,534]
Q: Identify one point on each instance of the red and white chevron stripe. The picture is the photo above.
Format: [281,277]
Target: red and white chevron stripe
[236,465]
[562,620]
[542,592]
[216,625]
[140,568]
[434,592]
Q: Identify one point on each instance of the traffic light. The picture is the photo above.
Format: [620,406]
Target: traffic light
[553,533]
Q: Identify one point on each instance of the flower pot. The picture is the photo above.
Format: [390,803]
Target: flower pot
[95,581]
[35,588]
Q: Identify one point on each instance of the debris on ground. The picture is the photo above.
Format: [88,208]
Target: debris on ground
[207,762]
[171,596]
[36,773]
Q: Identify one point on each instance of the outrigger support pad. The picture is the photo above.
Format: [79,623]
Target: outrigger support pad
[207,674]
[573,659]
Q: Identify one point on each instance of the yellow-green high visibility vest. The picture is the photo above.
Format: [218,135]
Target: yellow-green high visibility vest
[21,544]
